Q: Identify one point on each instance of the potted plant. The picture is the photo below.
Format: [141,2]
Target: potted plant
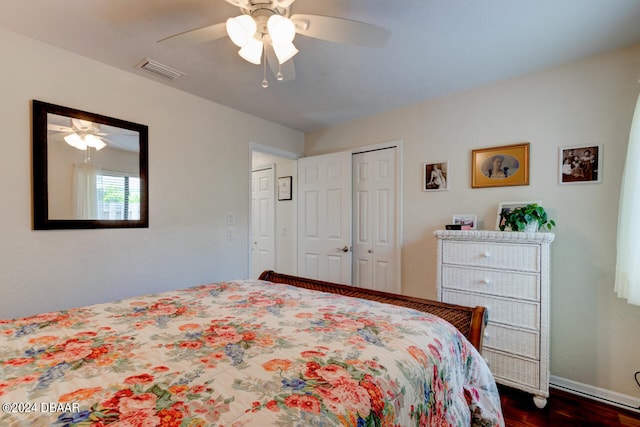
[530,218]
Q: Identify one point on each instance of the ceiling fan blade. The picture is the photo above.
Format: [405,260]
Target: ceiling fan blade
[198,35]
[121,143]
[102,130]
[340,30]
[57,128]
[242,4]
[287,69]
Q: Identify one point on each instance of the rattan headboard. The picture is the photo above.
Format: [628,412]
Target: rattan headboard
[469,321]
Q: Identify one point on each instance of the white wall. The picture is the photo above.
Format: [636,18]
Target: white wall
[595,337]
[199,164]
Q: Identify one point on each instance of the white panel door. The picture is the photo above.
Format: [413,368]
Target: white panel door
[324,217]
[262,221]
[375,236]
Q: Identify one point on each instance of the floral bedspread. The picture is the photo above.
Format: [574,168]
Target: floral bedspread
[241,353]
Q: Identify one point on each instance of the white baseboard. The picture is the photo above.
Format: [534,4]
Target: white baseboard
[596,393]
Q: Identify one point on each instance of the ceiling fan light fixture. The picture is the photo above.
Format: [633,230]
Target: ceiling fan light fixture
[285,52]
[281,29]
[241,29]
[82,142]
[252,51]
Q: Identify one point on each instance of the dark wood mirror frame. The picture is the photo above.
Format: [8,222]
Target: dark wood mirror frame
[41,221]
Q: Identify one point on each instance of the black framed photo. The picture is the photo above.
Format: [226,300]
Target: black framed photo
[284,188]
[580,164]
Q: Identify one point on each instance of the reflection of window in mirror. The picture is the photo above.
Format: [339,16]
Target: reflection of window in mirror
[104,195]
[89,170]
[118,196]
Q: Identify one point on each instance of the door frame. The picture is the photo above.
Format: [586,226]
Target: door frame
[398,144]
[266,149]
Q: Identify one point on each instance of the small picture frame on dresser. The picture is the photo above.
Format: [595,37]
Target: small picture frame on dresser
[466,221]
[509,206]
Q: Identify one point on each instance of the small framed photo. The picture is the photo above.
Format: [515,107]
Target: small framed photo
[509,206]
[500,166]
[580,164]
[435,176]
[284,188]
[466,221]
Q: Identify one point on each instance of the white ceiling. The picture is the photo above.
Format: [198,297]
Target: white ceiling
[437,47]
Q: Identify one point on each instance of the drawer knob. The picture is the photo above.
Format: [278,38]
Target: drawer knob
[486,281]
[486,254]
[486,334]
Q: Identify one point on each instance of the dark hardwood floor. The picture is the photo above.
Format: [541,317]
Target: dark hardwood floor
[563,410]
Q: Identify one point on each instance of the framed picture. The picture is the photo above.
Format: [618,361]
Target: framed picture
[284,188]
[467,221]
[580,164]
[435,176]
[500,166]
[509,206]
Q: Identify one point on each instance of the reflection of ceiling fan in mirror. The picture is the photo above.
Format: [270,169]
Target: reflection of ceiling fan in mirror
[266,29]
[84,134]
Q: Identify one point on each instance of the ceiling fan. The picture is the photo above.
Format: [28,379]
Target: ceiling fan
[84,134]
[265,31]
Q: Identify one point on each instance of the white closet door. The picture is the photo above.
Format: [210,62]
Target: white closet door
[375,236]
[324,217]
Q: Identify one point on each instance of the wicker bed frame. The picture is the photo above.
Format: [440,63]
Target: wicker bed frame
[469,321]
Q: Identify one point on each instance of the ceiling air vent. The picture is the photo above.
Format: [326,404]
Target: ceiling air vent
[159,69]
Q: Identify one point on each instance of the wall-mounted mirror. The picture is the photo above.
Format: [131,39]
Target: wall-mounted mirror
[89,170]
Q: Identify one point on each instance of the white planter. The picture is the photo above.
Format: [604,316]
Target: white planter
[532,227]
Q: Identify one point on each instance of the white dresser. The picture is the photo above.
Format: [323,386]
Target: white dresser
[507,272]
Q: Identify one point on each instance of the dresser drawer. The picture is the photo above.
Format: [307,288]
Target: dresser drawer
[524,314]
[517,341]
[496,255]
[493,282]
[522,371]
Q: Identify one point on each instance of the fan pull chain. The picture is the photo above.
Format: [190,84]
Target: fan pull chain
[279,76]
[265,83]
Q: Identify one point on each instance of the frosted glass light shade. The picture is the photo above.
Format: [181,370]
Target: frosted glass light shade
[282,30]
[94,141]
[252,51]
[241,29]
[74,140]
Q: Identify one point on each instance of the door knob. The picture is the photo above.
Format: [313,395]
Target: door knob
[344,249]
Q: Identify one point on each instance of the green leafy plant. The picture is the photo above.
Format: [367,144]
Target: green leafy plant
[518,218]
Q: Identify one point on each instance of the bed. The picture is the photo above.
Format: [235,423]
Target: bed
[277,351]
